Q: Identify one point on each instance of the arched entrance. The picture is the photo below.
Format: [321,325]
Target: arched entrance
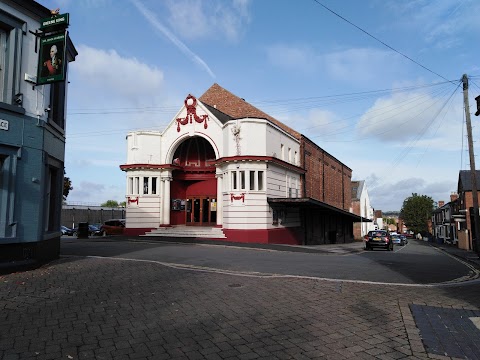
[194,186]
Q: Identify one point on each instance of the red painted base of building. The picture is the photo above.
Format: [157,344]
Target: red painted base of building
[287,236]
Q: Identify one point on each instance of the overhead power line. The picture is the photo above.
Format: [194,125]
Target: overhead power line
[380,41]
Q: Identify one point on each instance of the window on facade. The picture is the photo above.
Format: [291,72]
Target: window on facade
[289,155]
[154,185]
[260,180]
[242,180]
[282,151]
[252,180]
[234,180]
[52,200]
[11,37]
[57,103]
[226,186]
[2,159]
[130,185]
[136,189]
[295,158]
[145,185]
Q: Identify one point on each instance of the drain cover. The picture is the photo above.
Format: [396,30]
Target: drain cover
[235,285]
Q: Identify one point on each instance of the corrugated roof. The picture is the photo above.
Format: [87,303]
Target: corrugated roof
[236,107]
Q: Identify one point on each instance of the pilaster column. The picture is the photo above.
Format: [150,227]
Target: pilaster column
[165,216]
[219,199]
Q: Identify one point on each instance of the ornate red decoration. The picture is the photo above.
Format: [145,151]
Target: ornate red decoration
[132,200]
[238,197]
[192,114]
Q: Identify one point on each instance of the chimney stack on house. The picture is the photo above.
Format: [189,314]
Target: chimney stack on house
[453,196]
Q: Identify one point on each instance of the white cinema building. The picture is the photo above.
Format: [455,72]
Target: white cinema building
[220,163]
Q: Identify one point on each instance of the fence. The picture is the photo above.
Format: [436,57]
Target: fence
[72,215]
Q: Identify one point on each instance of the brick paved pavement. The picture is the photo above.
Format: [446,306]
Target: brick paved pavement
[88,308]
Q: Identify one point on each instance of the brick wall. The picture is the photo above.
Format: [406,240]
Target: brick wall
[327,179]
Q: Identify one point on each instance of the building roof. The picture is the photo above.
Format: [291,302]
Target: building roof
[307,203]
[465,180]
[357,188]
[237,108]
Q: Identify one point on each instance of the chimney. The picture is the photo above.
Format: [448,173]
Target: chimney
[453,196]
[441,203]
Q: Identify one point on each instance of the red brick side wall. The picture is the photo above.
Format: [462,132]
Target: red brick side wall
[326,179]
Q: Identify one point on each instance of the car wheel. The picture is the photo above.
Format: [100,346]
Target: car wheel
[75,234]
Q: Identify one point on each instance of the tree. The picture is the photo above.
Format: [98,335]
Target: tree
[416,211]
[67,186]
[123,204]
[110,204]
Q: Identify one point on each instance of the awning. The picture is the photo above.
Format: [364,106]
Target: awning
[309,203]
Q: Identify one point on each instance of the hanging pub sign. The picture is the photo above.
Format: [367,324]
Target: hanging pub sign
[51,60]
[55,22]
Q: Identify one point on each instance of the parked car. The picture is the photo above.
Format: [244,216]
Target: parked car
[396,239]
[113,227]
[378,238]
[66,230]
[93,230]
[403,240]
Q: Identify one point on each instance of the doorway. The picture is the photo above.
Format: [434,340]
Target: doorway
[201,211]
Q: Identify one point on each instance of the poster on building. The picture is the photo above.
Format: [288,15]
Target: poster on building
[51,60]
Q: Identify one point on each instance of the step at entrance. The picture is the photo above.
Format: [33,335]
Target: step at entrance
[188,231]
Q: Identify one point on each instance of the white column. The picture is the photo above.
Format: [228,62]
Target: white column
[166,198]
[219,199]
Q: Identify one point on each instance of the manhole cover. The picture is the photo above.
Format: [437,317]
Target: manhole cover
[235,285]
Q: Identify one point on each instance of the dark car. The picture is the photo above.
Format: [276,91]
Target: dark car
[113,227]
[66,230]
[378,238]
[403,240]
[93,230]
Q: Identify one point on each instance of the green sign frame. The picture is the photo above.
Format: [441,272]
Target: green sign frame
[62,20]
[51,59]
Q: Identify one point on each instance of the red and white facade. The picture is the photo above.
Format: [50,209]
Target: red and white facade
[216,164]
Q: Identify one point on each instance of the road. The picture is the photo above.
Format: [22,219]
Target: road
[414,263]
[110,299]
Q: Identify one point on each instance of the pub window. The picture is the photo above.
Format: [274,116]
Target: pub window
[145,185]
[295,158]
[242,180]
[289,155]
[260,180]
[56,113]
[252,180]
[282,151]
[11,39]
[154,185]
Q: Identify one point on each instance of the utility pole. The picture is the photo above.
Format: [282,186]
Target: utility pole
[473,172]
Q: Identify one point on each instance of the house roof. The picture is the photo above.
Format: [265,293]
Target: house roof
[465,180]
[237,108]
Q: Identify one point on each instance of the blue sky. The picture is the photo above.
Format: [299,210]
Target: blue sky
[397,123]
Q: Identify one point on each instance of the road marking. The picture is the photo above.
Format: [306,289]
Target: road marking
[476,321]
[275,276]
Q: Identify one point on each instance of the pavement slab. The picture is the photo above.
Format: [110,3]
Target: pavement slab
[78,308]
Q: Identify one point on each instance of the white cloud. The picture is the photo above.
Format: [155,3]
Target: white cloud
[415,116]
[87,192]
[356,65]
[299,58]
[116,76]
[195,19]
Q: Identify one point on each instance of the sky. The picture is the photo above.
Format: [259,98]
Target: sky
[375,83]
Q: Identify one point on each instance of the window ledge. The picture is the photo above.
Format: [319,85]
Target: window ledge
[12,108]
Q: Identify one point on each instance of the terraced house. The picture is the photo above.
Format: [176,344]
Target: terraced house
[223,163]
